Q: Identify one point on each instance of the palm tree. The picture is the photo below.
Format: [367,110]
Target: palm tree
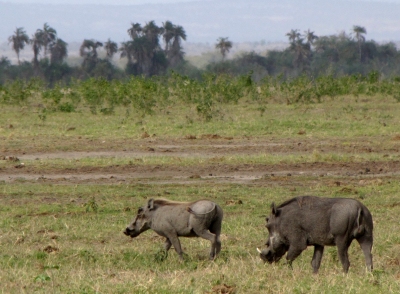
[224,45]
[135,30]
[359,32]
[88,49]
[58,51]
[136,52]
[143,51]
[310,37]
[37,44]
[301,51]
[49,35]
[126,51]
[176,55]
[173,35]
[168,34]
[18,40]
[293,35]
[111,48]
[152,31]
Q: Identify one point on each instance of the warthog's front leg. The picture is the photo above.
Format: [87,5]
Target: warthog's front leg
[295,250]
[167,244]
[316,260]
[174,240]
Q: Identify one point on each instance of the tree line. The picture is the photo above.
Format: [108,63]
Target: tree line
[313,56]
[144,54]
[307,54]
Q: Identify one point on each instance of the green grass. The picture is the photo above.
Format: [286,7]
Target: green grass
[51,243]
[374,117]
[175,161]
[67,238]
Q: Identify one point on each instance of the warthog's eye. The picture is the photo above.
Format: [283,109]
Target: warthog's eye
[140,210]
[267,219]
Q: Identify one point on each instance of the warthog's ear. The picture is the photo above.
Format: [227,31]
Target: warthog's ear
[275,211]
[150,204]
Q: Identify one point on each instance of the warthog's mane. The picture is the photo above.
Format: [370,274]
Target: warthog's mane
[165,202]
[300,200]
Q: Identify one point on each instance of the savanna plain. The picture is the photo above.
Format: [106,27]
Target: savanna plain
[71,179]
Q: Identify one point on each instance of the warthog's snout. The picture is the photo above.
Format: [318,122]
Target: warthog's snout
[262,256]
[265,255]
[127,232]
[131,233]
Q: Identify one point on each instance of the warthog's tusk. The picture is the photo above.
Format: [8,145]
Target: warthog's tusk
[259,251]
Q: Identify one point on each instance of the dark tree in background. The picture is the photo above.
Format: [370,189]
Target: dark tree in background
[177,53]
[111,48]
[37,45]
[152,50]
[224,45]
[168,33]
[359,36]
[48,35]
[173,36]
[58,51]
[143,51]
[310,37]
[88,50]
[135,30]
[18,41]
[293,36]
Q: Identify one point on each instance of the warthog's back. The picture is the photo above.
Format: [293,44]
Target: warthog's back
[202,207]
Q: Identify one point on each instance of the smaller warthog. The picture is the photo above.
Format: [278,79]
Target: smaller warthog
[171,220]
[313,221]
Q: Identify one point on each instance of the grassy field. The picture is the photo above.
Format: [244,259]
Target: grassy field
[64,234]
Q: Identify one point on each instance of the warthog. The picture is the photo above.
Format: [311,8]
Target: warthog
[171,220]
[308,220]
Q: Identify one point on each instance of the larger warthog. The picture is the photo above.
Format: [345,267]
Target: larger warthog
[171,220]
[314,221]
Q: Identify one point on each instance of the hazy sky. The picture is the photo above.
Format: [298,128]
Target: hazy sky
[135,2]
[103,2]
[203,20]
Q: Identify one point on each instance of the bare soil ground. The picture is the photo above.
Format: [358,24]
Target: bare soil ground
[213,147]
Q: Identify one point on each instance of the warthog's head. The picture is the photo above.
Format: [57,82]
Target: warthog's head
[141,222]
[275,245]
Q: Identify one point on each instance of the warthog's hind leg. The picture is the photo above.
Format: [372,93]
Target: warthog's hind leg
[212,238]
[366,246]
[343,247]
[216,229]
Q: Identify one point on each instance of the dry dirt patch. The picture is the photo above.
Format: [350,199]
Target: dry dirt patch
[207,146]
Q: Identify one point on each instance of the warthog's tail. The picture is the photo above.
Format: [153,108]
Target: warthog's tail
[360,224]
